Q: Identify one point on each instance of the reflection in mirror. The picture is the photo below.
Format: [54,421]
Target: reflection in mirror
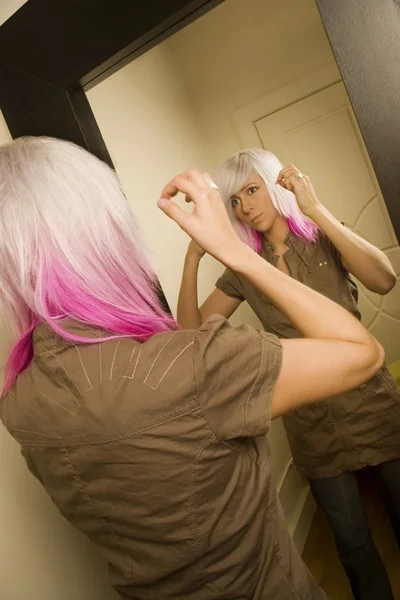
[262,75]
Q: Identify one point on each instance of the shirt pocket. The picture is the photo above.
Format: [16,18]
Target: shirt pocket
[382,387]
[324,276]
[305,423]
[320,273]
[379,411]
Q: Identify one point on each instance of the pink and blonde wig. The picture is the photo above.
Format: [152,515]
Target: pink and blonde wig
[70,249]
[231,178]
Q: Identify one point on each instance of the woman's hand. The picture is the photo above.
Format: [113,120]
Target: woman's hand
[208,224]
[290,178]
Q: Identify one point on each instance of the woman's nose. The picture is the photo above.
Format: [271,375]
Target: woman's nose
[247,206]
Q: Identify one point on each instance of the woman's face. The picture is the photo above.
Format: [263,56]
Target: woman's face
[252,204]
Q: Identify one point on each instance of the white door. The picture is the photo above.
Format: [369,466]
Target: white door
[319,134]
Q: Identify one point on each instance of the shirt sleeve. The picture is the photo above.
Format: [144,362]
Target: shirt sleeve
[230,284]
[236,371]
[30,464]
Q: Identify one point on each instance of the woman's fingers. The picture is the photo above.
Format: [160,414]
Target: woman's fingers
[291,178]
[197,178]
[184,185]
[209,223]
[192,183]
[208,179]
[174,212]
[287,170]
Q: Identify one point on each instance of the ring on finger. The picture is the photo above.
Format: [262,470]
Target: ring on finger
[299,175]
[214,186]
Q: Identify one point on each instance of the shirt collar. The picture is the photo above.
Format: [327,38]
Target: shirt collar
[303,249]
[45,339]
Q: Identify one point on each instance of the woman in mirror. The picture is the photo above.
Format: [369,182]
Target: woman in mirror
[276,212]
[150,439]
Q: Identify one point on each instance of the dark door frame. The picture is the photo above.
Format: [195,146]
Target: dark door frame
[51,52]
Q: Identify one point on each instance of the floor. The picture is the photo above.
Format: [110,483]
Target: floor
[320,553]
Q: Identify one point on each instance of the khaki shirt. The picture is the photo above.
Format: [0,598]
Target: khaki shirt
[157,451]
[347,432]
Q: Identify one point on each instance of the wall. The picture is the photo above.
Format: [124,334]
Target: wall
[149,127]
[8,8]
[243,50]
[41,556]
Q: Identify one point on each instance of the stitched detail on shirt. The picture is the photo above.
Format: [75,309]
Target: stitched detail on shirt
[193,504]
[51,437]
[132,354]
[161,422]
[84,370]
[59,383]
[56,403]
[66,372]
[193,525]
[113,360]
[169,367]
[95,511]
[255,382]
[277,378]
[158,355]
[11,427]
[111,436]
[135,367]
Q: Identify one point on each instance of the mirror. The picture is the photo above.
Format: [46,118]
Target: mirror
[250,74]
[261,74]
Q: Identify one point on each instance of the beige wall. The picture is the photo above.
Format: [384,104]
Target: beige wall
[240,51]
[150,130]
[41,556]
[8,8]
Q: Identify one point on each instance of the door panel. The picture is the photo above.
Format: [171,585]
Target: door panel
[319,134]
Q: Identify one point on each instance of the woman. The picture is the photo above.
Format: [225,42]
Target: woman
[277,212]
[149,439]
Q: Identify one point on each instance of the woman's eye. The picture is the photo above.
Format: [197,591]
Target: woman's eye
[235,202]
[252,189]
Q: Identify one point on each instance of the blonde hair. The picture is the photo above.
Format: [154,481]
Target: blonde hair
[70,248]
[232,176]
